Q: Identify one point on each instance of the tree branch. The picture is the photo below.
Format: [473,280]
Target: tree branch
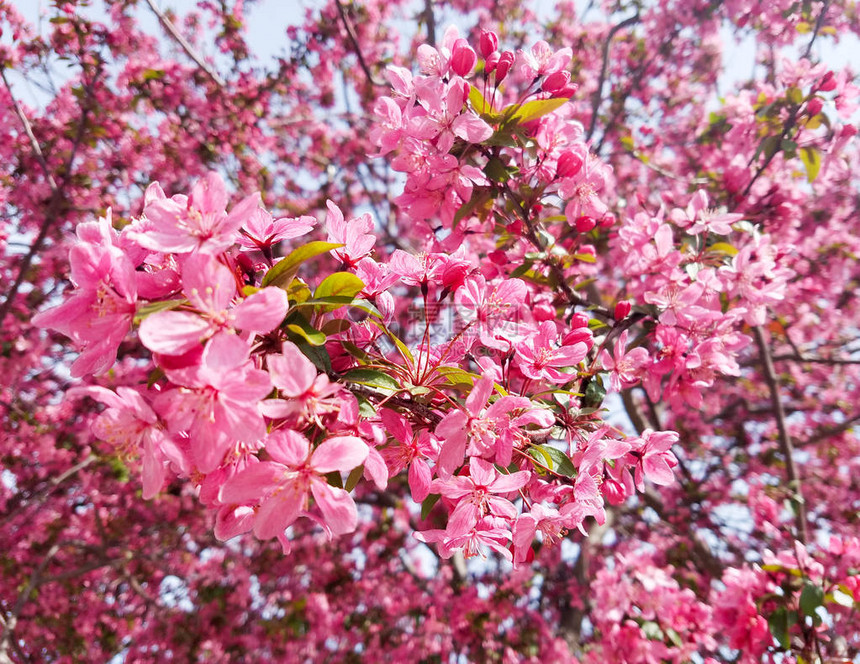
[784,437]
[12,619]
[350,31]
[186,46]
[430,20]
[597,99]
[819,23]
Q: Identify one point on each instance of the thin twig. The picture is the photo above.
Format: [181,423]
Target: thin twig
[28,130]
[784,437]
[819,23]
[55,203]
[827,432]
[604,71]
[830,361]
[350,31]
[186,46]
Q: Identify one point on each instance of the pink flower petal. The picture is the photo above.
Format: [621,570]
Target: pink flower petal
[263,311]
[336,505]
[173,332]
[339,453]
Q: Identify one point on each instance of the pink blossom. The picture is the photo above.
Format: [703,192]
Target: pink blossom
[196,223]
[282,486]
[210,288]
[355,234]
[99,314]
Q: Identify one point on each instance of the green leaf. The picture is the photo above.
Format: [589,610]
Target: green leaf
[478,102]
[532,110]
[811,159]
[652,630]
[594,394]
[554,459]
[300,327]
[496,170]
[354,477]
[371,378]
[153,74]
[428,504]
[457,376]
[478,201]
[402,348]
[282,273]
[316,354]
[334,302]
[811,598]
[334,479]
[841,597]
[153,307]
[794,95]
[335,326]
[355,351]
[338,285]
[365,408]
[723,248]
[778,623]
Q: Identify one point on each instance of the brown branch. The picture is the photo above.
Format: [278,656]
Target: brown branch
[430,20]
[12,619]
[350,31]
[186,46]
[597,99]
[784,437]
[28,130]
[796,357]
[26,501]
[827,432]
[557,271]
[819,23]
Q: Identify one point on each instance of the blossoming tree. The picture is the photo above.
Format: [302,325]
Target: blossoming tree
[521,339]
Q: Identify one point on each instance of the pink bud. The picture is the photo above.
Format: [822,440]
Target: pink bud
[814,106]
[828,83]
[579,320]
[463,58]
[585,224]
[588,249]
[569,164]
[622,310]
[498,257]
[491,62]
[506,61]
[566,92]
[555,81]
[489,43]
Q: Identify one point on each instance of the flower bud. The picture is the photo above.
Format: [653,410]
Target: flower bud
[498,257]
[463,58]
[506,61]
[828,82]
[579,320]
[566,92]
[555,81]
[491,62]
[814,106]
[569,164]
[489,43]
[622,310]
[585,224]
